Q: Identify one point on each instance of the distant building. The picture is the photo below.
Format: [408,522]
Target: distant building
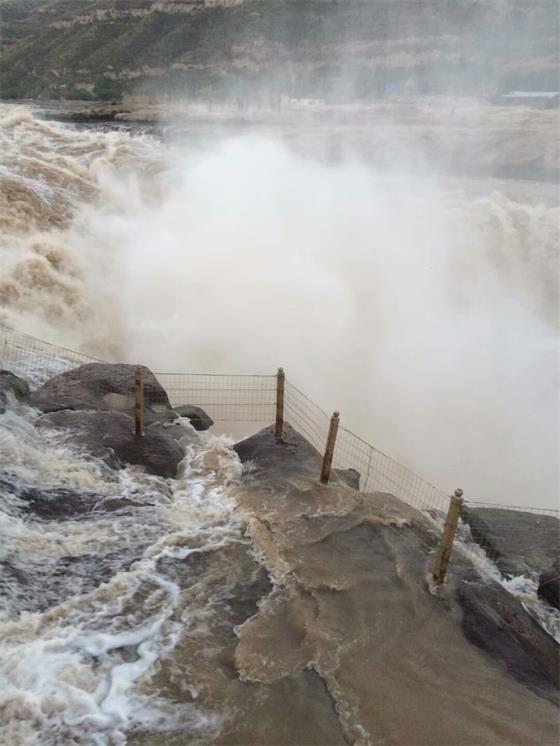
[539,99]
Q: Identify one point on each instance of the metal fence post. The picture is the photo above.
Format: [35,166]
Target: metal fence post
[280,381]
[139,402]
[329,448]
[453,514]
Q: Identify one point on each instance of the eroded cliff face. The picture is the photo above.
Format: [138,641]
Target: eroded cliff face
[117,13]
[248,48]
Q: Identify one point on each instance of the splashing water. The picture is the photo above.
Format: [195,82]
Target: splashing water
[88,606]
[432,302]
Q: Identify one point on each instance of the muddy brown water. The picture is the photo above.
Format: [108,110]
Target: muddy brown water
[350,646]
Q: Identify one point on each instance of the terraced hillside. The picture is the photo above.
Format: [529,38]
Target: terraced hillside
[337,50]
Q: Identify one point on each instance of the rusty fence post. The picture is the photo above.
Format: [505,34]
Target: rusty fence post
[449,530]
[329,448]
[139,402]
[280,381]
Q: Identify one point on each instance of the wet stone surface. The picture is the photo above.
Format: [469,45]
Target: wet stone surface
[40,584]
[60,504]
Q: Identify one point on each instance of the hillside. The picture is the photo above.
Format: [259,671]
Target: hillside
[248,49]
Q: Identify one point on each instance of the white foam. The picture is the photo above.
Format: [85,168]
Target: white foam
[65,673]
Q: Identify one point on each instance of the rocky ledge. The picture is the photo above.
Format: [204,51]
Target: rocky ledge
[356,567]
[94,405]
[520,543]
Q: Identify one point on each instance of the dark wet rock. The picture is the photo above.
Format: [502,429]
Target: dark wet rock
[47,503]
[350,476]
[168,429]
[239,594]
[91,116]
[197,416]
[244,598]
[56,504]
[13,385]
[496,622]
[110,437]
[291,460]
[35,585]
[62,504]
[119,503]
[549,585]
[519,542]
[128,653]
[101,386]
[294,456]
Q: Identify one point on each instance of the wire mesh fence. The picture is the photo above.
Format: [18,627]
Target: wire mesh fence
[244,400]
[226,398]
[478,505]
[380,472]
[306,417]
[34,359]
[503,529]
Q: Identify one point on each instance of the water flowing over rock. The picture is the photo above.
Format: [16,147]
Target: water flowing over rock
[12,385]
[110,436]
[518,542]
[197,416]
[220,600]
[343,564]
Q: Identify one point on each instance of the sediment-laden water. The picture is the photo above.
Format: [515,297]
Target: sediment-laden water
[90,601]
[222,607]
[218,607]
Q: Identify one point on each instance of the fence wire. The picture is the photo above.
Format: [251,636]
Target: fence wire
[524,528]
[34,359]
[225,398]
[381,473]
[306,417]
[248,400]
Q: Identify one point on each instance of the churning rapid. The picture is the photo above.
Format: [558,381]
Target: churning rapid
[432,303]
[88,546]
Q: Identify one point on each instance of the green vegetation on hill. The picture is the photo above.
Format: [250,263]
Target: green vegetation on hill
[331,49]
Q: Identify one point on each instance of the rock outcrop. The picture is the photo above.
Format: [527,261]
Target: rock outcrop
[110,387]
[197,416]
[12,385]
[520,543]
[56,504]
[351,602]
[497,623]
[100,386]
[549,585]
[110,437]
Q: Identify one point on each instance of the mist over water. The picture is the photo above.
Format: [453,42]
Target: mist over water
[425,309]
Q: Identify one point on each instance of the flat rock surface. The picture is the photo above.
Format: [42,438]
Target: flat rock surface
[351,602]
[520,543]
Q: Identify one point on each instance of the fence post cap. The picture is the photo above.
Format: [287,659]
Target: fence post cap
[459,493]
[280,370]
[336,414]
